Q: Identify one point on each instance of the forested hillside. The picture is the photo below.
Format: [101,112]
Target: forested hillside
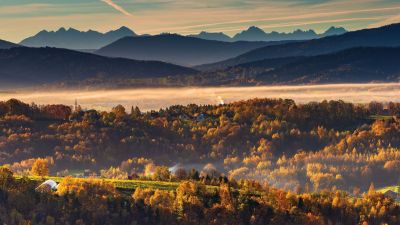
[35,66]
[6,44]
[88,201]
[386,36]
[310,147]
[177,49]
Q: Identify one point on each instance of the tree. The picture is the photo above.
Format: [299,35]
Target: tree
[181,174]
[135,112]
[194,174]
[227,199]
[161,173]
[6,177]
[119,112]
[371,189]
[189,201]
[16,107]
[40,168]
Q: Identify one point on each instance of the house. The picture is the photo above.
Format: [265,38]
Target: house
[47,186]
[392,194]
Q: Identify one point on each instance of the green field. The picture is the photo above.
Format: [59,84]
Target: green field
[389,188]
[381,117]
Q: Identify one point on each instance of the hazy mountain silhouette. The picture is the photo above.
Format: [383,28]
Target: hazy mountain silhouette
[212,36]
[334,31]
[23,66]
[7,44]
[75,39]
[181,50]
[348,66]
[256,34]
[387,36]
[356,65]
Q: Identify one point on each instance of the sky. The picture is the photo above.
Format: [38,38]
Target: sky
[22,18]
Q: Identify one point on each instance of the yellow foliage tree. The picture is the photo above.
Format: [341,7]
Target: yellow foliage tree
[40,168]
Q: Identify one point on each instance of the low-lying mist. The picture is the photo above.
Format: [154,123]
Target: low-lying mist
[156,98]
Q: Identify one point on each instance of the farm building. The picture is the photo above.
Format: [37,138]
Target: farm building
[47,186]
[392,194]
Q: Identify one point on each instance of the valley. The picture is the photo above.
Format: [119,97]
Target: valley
[155,98]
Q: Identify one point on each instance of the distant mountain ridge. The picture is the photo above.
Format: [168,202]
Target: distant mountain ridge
[177,49]
[75,39]
[357,65]
[88,40]
[254,33]
[34,66]
[387,36]
[7,44]
[212,36]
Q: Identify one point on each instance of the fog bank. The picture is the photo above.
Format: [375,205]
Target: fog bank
[156,98]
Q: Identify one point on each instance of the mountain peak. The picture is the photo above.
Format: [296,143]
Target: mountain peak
[253,33]
[334,31]
[72,30]
[123,31]
[217,36]
[62,29]
[254,29]
[124,28]
[75,39]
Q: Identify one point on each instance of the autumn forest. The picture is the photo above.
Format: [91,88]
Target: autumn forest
[255,162]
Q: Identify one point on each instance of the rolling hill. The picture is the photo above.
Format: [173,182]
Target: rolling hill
[34,66]
[357,65]
[348,66]
[75,39]
[7,45]
[387,36]
[212,36]
[181,50]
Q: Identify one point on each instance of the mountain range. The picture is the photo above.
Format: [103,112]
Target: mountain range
[367,55]
[257,34]
[35,66]
[177,49]
[212,36]
[75,39]
[83,40]
[387,36]
[355,65]
[364,64]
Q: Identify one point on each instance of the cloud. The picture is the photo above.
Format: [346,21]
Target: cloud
[311,17]
[386,21]
[295,24]
[116,7]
